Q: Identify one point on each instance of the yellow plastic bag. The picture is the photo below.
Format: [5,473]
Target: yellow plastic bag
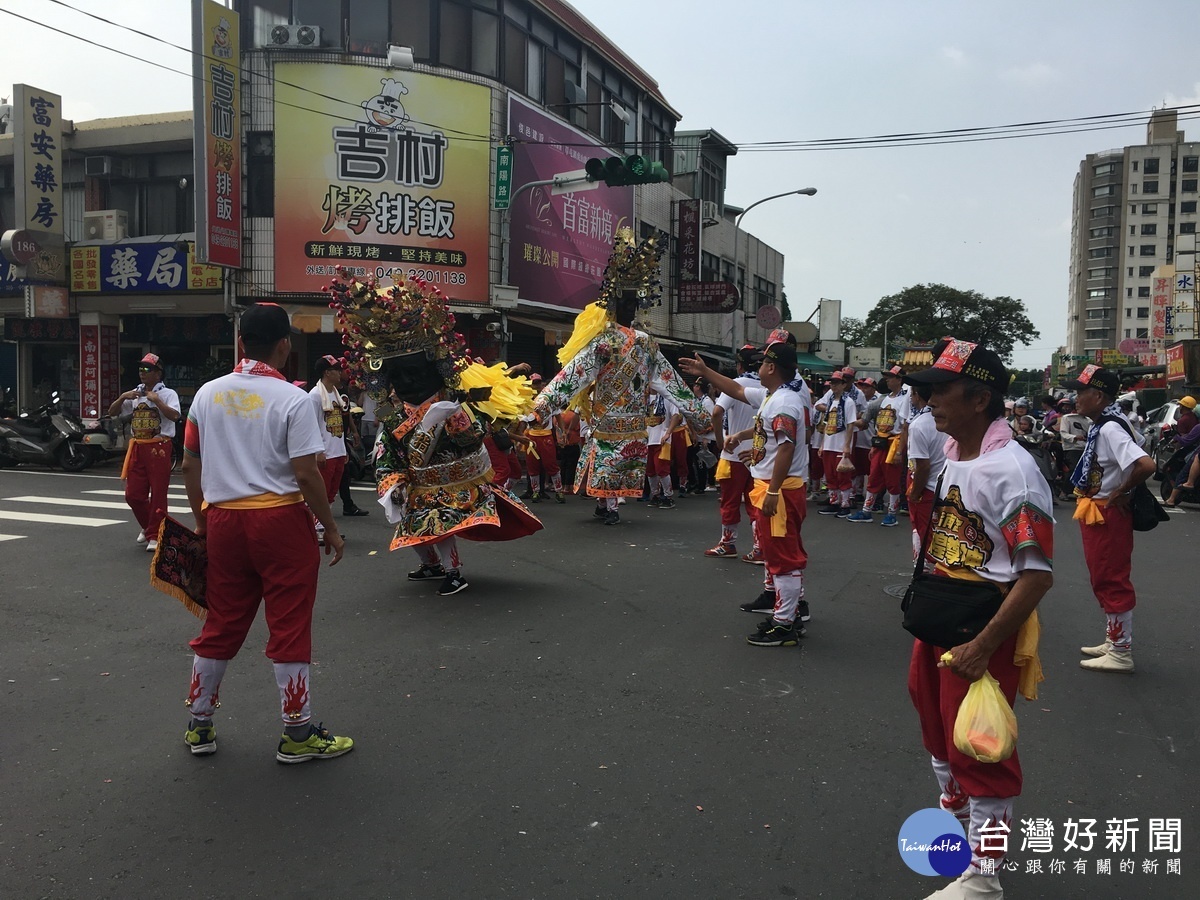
[986,728]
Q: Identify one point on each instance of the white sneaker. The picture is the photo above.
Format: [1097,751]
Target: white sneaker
[141,538]
[320,535]
[1098,650]
[970,885]
[151,546]
[1120,661]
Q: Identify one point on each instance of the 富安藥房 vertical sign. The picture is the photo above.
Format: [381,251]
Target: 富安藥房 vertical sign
[38,176]
[218,136]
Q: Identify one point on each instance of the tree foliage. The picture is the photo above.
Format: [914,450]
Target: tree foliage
[998,322]
[854,332]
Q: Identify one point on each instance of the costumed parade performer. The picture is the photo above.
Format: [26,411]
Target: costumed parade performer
[432,469]
[609,371]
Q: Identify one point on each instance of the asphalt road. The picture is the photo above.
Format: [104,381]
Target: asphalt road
[586,720]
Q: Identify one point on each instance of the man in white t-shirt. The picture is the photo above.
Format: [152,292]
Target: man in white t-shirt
[887,453]
[991,522]
[926,458]
[250,465]
[152,409]
[779,467]
[732,416]
[331,407]
[1112,465]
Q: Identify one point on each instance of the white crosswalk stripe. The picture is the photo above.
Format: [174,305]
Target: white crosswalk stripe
[90,504]
[10,537]
[177,495]
[47,519]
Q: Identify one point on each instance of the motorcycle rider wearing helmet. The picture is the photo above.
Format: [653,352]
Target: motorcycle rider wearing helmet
[1188,438]
[152,409]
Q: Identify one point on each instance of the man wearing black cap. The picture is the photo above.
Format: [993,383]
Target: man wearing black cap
[1112,465]
[152,410]
[331,407]
[991,522]
[250,465]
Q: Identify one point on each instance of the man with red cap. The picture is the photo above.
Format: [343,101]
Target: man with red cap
[836,446]
[152,410]
[887,452]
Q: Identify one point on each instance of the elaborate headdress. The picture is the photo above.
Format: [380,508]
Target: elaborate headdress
[379,323]
[632,266]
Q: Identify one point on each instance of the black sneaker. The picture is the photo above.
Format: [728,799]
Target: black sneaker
[845,512]
[426,572]
[655,500]
[775,634]
[452,583]
[763,603]
[612,518]
[802,611]
[667,503]
[528,493]
[600,512]
[829,509]
[356,511]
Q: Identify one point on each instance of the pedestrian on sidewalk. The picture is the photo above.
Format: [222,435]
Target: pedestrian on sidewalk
[250,465]
[152,410]
[1112,465]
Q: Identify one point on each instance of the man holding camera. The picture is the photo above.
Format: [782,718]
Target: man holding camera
[151,409]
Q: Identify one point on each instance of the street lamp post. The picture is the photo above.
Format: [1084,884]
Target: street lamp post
[737,255]
[903,312]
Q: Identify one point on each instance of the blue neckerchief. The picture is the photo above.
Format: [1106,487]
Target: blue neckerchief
[1084,466]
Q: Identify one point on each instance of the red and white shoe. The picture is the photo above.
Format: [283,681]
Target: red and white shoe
[754,557]
[722,550]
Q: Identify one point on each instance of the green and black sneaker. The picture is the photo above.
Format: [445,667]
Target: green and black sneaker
[319,744]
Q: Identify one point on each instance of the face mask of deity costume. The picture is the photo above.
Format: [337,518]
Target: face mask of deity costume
[414,377]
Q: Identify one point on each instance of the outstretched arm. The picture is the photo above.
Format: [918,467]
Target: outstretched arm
[698,367]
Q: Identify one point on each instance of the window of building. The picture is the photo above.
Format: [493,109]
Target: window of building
[1134,165]
[1143,312]
[1187,207]
[1143,291]
[367,26]
[1150,165]
[1145,271]
[1128,332]
[1098,292]
[1100,212]
[1141,333]
[710,267]
[1133,229]
[764,292]
[1106,231]
[1104,191]
[1104,169]
[1092,334]
[260,174]
[1188,185]
[1187,227]
[1129,293]
[412,26]
[1101,252]
[1149,187]
[1149,209]
[1150,228]
[1097,313]
[1099,273]
[1190,164]
[1133,189]
[1146,250]
[1128,313]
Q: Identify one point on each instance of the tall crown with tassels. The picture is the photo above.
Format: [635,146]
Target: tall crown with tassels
[632,266]
[378,323]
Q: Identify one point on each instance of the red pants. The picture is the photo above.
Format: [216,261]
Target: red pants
[331,474]
[146,484]
[861,457]
[835,480]
[920,512]
[786,553]
[937,694]
[679,455]
[884,476]
[498,460]
[260,555]
[655,465]
[548,452]
[1108,552]
[816,466]
[735,490]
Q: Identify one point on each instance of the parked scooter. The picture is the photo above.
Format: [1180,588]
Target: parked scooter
[1174,471]
[104,437]
[51,436]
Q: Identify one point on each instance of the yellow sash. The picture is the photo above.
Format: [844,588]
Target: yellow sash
[1026,656]
[1089,511]
[724,470]
[758,494]
[262,501]
[129,452]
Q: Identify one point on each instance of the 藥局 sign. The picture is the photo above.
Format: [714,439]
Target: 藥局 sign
[390,180]
[38,177]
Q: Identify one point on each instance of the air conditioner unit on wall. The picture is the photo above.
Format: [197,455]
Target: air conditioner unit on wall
[710,212]
[107,167]
[105,225]
[294,37]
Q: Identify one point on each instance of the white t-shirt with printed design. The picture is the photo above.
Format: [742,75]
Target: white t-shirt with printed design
[738,417]
[1116,453]
[251,427]
[893,413]
[330,420]
[779,414]
[926,442]
[146,419]
[992,519]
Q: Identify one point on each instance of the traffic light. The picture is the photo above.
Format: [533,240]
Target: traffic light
[617,172]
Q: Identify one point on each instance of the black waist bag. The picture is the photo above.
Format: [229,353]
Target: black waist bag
[947,612]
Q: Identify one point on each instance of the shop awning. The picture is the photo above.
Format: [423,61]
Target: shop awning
[813,363]
[555,332]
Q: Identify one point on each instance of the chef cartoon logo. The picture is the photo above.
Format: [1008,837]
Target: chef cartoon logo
[384,111]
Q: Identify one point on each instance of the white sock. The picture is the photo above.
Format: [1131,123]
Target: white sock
[206,684]
[1120,630]
[292,680]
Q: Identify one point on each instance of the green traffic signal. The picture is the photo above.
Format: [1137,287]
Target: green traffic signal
[617,172]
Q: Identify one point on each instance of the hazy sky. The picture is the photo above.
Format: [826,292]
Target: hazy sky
[992,216]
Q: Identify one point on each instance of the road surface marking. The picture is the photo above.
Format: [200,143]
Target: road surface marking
[58,520]
[90,504]
[11,537]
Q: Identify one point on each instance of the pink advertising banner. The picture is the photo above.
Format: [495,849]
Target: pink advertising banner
[560,243]
[689,240]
